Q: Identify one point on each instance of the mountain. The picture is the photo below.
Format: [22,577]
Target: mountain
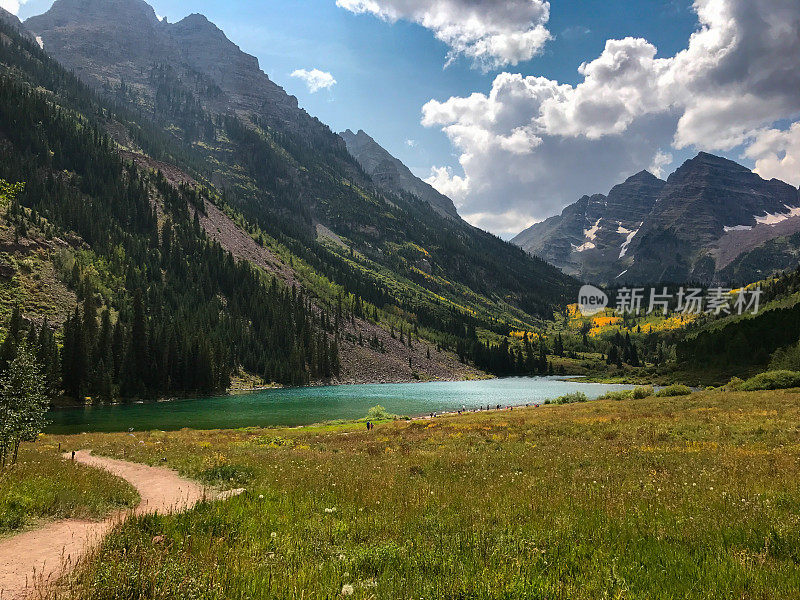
[283,169]
[707,198]
[392,175]
[589,236]
[113,43]
[13,21]
[398,290]
[706,223]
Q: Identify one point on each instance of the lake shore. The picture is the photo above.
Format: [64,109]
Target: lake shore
[307,405]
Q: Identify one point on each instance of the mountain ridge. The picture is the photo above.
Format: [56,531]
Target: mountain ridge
[686,234]
[392,175]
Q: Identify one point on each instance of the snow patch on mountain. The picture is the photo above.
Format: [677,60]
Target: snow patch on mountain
[775,218]
[631,234]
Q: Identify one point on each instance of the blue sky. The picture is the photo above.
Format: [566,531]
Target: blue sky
[386,71]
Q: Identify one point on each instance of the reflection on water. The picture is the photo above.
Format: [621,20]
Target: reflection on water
[303,406]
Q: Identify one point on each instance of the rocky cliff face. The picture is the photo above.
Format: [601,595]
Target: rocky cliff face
[114,42]
[589,237]
[689,228]
[392,175]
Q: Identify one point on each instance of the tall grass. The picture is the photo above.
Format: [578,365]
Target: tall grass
[44,486]
[691,497]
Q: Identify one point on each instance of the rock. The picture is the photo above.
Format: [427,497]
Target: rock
[393,176]
[12,20]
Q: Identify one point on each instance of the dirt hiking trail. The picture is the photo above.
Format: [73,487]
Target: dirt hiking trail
[34,560]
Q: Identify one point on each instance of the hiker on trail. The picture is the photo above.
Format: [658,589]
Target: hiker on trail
[73,456]
[369,425]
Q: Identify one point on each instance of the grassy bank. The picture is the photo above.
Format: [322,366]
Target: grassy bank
[688,497]
[44,486]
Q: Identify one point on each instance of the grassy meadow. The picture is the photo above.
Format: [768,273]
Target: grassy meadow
[42,486]
[687,497]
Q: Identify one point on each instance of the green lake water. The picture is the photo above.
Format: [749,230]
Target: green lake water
[304,406]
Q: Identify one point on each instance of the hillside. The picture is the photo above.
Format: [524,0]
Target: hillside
[713,221]
[282,169]
[388,289]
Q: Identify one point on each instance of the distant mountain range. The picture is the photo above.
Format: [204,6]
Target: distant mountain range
[711,221]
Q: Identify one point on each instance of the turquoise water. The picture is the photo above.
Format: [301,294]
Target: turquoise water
[304,406]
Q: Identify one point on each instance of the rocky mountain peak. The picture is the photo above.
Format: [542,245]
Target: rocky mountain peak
[708,165]
[648,229]
[391,174]
[131,12]
[109,41]
[643,176]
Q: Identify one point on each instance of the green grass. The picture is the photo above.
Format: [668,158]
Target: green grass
[688,497]
[44,486]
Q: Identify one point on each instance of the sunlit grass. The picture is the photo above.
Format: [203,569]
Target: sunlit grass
[689,497]
[44,486]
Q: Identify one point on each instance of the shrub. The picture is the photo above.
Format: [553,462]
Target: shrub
[379,413]
[617,395]
[772,380]
[674,390]
[734,384]
[643,391]
[571,398]
[227,475]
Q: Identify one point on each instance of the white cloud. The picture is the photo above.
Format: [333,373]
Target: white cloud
[315,79]
[532,145]
[660,160]
[777,154]
[11,6]
[452,186]
[492,33]
[411,143]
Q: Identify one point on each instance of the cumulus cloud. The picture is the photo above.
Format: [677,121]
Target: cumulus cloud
[452,186]
[532,145]
[11,6]
[777,154]
[315,79]
[660,160]
[492,33]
